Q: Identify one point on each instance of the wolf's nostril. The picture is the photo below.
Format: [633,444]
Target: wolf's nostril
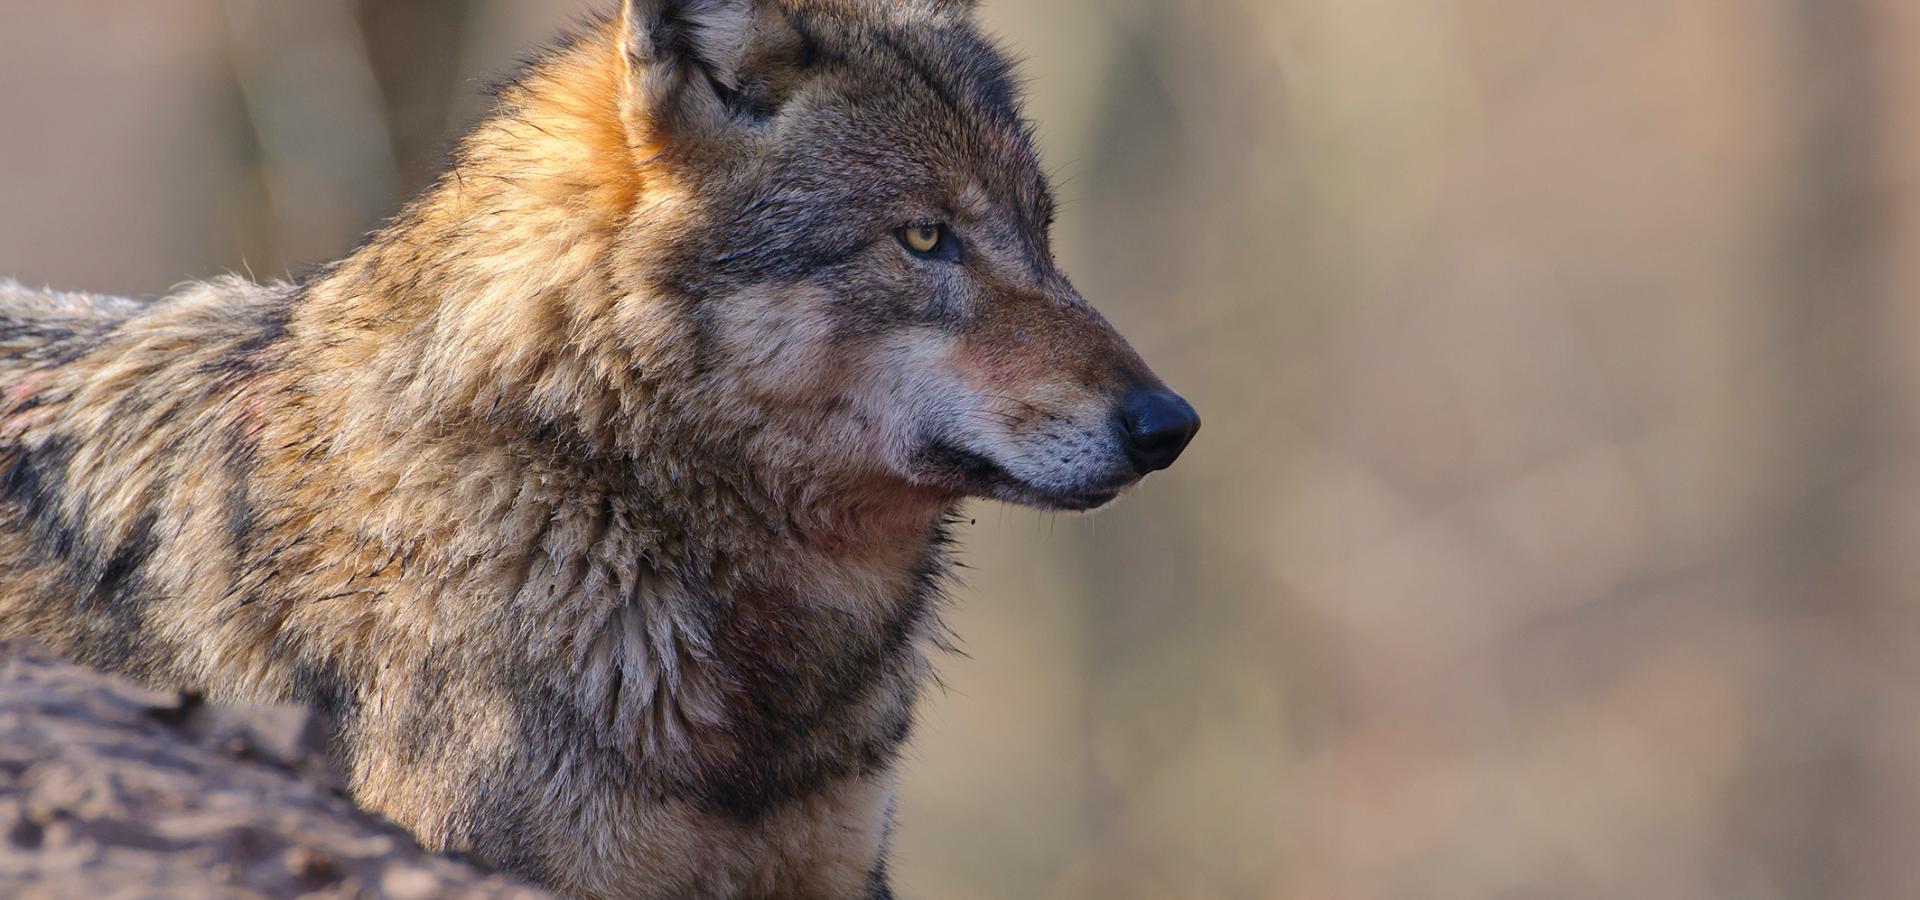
[1157,426]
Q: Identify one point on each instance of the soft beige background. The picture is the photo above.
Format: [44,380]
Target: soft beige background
[1555,528]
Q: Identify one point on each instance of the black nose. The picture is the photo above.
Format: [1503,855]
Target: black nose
[1157,425]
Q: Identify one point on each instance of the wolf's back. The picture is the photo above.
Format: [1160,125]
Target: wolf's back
[39,326]
[18,300]
[119,434]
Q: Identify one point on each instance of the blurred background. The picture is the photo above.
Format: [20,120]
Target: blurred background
[1556,527]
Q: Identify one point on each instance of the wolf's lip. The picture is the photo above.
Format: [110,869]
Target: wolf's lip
[1081,502]
[1068,502]
[982,476]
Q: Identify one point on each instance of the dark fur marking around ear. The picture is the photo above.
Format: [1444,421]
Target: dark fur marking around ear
[919,67]
[999,88]
[811,52]
[748,102]
[684,40]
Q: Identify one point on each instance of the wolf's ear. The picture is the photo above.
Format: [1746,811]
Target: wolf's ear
[685,62]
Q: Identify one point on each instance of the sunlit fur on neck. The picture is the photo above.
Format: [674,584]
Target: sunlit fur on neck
[501,273]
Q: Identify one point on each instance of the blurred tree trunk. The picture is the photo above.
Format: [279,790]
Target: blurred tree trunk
[414,47]
[318,122]
[1885,812]
[1800,800]
[349,106]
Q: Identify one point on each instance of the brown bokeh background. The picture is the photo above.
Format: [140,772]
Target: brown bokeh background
[1556,526]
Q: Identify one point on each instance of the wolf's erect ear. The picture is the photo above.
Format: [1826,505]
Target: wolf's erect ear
[686,62]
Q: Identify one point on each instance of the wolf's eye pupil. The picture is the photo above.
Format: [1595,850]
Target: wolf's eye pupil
[923,238]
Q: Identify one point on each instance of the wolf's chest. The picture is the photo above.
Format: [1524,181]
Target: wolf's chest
[764,696]
[807,706]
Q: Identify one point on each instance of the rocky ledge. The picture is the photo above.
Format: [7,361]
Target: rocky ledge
[108,790]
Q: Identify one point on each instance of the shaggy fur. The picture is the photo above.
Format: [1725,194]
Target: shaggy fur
[599,497]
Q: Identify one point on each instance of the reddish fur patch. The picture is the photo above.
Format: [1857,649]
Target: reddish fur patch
[251,418]
[20,394]
[887,520]
[1029,340]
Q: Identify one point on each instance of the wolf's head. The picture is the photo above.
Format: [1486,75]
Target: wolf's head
[847,200]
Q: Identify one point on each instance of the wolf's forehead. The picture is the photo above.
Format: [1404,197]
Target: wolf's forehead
[935,91]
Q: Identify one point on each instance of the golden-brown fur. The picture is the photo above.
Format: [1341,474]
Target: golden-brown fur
[600,496]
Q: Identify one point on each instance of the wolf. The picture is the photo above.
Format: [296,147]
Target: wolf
[601,499]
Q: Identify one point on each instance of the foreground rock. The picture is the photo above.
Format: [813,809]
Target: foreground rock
[108,790]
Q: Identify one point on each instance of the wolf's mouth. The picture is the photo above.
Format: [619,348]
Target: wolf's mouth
[1067,502]
[975,473]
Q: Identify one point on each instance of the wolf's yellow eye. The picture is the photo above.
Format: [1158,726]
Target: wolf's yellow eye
[931,241]
[924,238]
